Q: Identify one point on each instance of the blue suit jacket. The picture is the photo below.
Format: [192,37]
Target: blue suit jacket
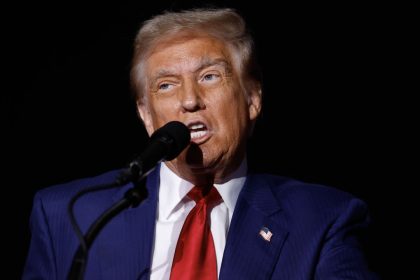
[315,232]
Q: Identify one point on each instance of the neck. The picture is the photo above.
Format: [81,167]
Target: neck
[207,178]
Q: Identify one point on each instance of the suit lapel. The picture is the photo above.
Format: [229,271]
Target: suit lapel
[126,247]
[247,254]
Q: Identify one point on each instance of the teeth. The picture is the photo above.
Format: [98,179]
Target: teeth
[197,126]
[197,134]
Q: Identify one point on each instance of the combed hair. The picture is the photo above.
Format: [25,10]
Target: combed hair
[223,24]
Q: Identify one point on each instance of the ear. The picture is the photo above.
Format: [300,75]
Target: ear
[254,104]
[145,116]
[254,101]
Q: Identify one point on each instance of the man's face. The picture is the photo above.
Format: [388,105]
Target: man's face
[193,80]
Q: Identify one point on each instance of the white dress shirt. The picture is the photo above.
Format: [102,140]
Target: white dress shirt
[173,208]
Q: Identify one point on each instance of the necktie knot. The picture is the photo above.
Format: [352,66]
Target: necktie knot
[207,196]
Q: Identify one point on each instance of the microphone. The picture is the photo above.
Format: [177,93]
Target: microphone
[166,143]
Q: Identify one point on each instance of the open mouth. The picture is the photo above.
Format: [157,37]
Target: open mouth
[199,132]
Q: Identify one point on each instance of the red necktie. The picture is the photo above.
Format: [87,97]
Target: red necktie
[195,256]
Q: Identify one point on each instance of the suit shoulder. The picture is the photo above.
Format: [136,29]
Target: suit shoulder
[64,191]
[295,193]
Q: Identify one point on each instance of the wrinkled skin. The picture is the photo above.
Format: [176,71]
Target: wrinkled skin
[194,80]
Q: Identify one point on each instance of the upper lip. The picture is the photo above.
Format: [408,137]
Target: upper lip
[192,123]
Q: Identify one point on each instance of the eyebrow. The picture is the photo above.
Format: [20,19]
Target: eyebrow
[207,62]
[204,63]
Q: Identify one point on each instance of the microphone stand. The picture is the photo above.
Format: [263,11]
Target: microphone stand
[132,198]
[165,144]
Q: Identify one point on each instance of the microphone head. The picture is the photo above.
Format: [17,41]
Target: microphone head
[175,136]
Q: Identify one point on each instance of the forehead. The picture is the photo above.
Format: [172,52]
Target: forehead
[185,53]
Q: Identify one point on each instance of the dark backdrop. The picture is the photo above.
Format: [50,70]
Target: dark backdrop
[69,112]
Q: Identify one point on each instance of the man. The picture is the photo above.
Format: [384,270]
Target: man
[205,217]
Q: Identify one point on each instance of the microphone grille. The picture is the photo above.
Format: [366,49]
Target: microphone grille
[176,137]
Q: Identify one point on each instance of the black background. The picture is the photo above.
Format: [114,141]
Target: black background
[328,113]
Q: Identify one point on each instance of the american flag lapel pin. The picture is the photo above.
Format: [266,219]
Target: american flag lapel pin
[266,234]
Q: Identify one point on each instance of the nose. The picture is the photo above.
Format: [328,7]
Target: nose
[191,99]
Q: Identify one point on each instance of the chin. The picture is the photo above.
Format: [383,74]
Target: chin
[200,166]
[199,171]
[198,160]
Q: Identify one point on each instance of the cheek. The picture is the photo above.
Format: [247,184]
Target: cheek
[236,114]
[229,104]
[163,111]
[233,120]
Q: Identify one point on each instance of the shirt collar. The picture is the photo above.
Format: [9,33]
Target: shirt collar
[173,189]
[230,189]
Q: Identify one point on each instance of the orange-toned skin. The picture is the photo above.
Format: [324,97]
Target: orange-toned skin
[194,80]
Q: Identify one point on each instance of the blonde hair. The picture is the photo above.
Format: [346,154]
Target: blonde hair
[223,24]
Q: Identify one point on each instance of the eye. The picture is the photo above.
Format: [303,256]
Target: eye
[211,77]
[165,86]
